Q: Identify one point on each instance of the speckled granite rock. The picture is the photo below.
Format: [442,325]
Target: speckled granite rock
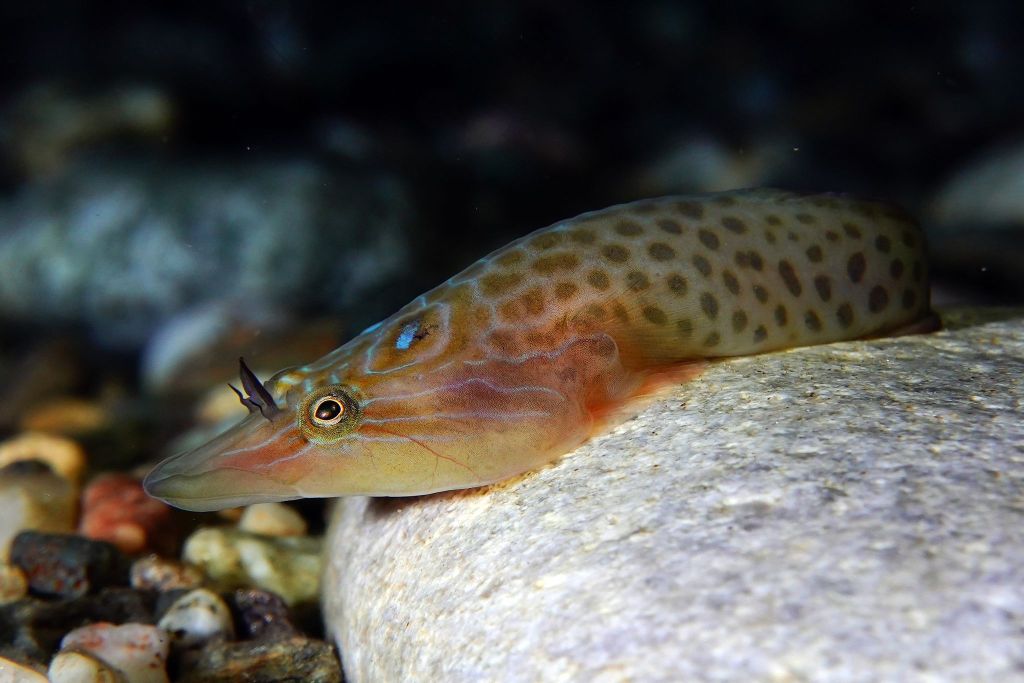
[850,512]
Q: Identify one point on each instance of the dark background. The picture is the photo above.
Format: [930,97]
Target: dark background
[288,161]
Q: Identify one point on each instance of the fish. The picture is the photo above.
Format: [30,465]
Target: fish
[524,355]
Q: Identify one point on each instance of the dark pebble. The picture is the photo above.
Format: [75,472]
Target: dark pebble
[21,468]
[262,661]
[67,566]
[262,615]
[31,629]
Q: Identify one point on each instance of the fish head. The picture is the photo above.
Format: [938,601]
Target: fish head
[409,407]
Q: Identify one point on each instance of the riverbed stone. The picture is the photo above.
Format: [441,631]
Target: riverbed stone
[845,512]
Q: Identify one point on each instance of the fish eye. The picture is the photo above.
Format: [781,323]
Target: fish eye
[327,414]
[327,411]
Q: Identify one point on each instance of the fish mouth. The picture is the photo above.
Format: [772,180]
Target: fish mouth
[249,463]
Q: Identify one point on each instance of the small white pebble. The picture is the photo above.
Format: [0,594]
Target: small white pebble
[13,585]
[272,519]
[138,652]
[197,617]
[13,672]
[64,456]
[289,566]
[78,667]
[159,573]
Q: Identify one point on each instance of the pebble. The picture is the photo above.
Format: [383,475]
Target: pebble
[288,566]
[138,652]
[116,509]
[64,456]
[65,416]
[985,192]
[33,497]
[272,519]
[67,565]
[198,617]
[34,626]
[14,672]
[79,667]
[153,572]
[294,659]
[263,615]
[13,584]
[121,245]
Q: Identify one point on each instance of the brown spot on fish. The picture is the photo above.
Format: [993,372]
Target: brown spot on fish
[708,239]
[498,284]
[909,239]
[637,281]
[510,311]
[761,293]
[792,236]
[832,235]
[713,339]
[805,218]
[616,253]
[504,342]
[655,315]
[595,312]
[844,314]
[823,284]
[878,299]
[760,334]
[814,253]
[724,200]
[769,236]
[660,251]
[709,304]
[788,274]
[883,244]
[702,265]
[565,290]
[546,240]
[856,266]
[733,224]
[598,279]
[731,283]
[533,301]
[628,228]
[684,327]
[852,230]
[690,209]
[670,226]
[561,261]
[739,321]
[781,316]
[772,219]
[620,313]
[812,321]
[677,283]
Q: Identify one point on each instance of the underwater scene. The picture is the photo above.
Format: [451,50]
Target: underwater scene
[511,341]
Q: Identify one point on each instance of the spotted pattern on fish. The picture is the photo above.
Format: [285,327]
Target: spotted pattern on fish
[507,365]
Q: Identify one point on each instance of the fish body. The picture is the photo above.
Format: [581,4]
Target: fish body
[511,363]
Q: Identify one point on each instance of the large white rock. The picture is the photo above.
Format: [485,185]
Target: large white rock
[852,512]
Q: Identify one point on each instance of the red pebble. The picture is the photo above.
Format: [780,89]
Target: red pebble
[116,509]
